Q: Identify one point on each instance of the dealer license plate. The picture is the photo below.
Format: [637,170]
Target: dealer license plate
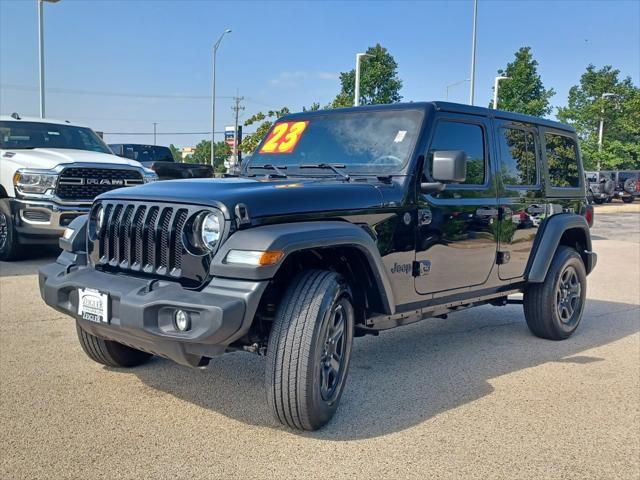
[93,305]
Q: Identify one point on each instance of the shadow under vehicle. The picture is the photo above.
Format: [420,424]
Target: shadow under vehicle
[344,223]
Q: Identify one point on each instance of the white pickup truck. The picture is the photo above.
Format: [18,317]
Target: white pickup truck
[50,172]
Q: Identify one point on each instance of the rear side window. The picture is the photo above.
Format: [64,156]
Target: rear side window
[466,137]
[562,157]
[518,157]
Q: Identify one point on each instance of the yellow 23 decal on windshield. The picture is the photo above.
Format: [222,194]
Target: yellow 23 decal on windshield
[284,137]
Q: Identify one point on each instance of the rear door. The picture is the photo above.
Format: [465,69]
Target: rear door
[521,202]
[455,244]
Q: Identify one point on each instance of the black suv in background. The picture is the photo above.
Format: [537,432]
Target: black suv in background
[627,184]
[345,223]
[160,160]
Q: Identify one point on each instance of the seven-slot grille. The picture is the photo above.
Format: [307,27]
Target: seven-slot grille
[86,183]
[144,237]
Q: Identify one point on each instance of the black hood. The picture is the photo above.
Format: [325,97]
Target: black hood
[262,197]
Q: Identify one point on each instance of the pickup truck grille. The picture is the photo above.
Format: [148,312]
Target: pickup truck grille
[149,239]
[86,183]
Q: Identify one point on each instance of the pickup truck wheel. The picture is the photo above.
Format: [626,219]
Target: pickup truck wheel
[553,309]
[10,248]
[110,353]
[309,350]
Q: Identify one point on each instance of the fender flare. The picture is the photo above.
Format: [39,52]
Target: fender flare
[293,237]
[548,240]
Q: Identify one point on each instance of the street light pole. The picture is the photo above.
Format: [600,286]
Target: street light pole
[41,50]
[601,129]
[496,83]
[453,85]
[473,54]
[213,98]
[155,124]
[356,95]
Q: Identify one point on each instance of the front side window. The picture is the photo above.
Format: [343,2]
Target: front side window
[467,137]
[517,157]
[18,135]
[562,157]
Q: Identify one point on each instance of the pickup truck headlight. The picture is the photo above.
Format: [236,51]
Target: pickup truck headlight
[205,232]
[35,182]
[149,176]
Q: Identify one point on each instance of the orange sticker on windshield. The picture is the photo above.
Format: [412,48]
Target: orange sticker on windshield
[284,137]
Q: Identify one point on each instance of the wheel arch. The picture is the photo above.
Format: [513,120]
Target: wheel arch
[567,229]
[337,245]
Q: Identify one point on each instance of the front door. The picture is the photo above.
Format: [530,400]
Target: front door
[456,243]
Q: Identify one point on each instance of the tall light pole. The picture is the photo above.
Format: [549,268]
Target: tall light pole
[496,84]
[601,130]
[356,95]
[213,98]
[41,50]
[473,54]
[454,85]
[155,124]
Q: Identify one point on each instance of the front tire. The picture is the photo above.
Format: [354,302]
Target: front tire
[628,199]
[553,309]
[309,350]
[110,353]
[10,248]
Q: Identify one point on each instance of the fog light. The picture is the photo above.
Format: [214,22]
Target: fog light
[183,323]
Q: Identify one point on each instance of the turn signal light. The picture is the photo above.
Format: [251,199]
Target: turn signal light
[253,257]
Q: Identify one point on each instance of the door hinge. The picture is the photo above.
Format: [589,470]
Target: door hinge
[503,257]
[423,267]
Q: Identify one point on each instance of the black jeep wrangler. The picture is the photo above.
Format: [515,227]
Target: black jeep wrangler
[346,222]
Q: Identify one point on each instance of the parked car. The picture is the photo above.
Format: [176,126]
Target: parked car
[345,223]
[50,172]
[627,183]
[600,186]
[160,160]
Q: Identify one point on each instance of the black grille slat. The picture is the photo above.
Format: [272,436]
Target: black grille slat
[124,239]
[86,183]
[112,234]
[175,259]
[163,226]
[137,230]
[148,238]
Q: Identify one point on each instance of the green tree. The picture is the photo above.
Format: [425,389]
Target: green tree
[379,81]
[524,91]
[202,154]
[175,153]
[264,122]
[585,107]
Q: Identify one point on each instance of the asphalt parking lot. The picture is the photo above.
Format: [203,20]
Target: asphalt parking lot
[474,396]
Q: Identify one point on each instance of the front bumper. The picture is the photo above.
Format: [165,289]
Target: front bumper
[41,221]
[141,311]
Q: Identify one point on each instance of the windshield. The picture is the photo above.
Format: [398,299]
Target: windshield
[27,135]
[374,142]
[143,153]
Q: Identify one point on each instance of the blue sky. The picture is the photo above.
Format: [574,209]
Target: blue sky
[119,66]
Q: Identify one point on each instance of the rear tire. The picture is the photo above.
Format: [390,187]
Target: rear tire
[110,353]
[599,201]
[628,199]
[10,248]
[309,350]
[553,309]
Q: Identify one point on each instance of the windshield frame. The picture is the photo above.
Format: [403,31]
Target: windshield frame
[60,126]
[293,170]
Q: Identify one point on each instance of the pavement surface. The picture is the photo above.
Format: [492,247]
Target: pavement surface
[474,396]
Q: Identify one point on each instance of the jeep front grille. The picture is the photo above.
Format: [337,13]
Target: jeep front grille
[149,239]
[86,183]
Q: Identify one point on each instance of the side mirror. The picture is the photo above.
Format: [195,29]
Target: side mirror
[449,166]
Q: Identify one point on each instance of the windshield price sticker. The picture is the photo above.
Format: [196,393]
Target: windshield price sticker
[284,137]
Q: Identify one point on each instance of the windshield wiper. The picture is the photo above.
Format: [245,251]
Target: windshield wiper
[268,166]
[329,166]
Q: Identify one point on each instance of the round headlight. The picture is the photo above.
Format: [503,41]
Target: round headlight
[206,231]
